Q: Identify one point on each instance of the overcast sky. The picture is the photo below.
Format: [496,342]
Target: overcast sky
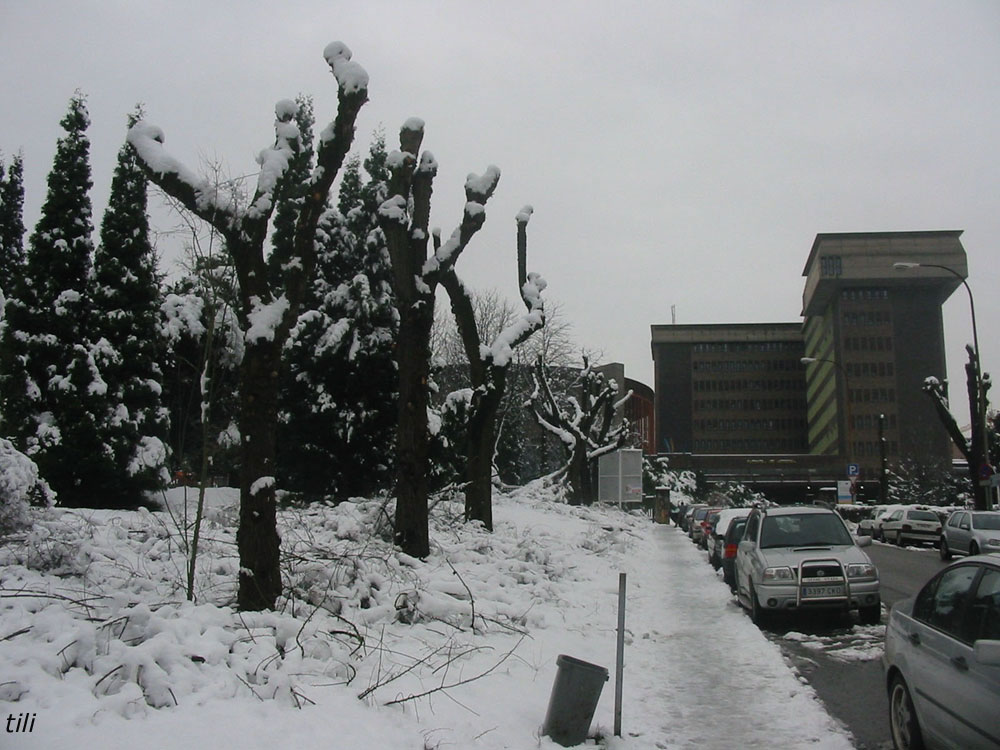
[677,154]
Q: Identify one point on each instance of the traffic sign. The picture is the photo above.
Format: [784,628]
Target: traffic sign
[985,471]
[853,470]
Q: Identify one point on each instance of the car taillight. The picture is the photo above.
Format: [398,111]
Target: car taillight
[730,551]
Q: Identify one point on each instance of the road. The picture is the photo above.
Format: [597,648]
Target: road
[852,690]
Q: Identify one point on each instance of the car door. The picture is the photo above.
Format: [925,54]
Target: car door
[891,526]
[937,653]
[745,555]
[977,690]
[964,533]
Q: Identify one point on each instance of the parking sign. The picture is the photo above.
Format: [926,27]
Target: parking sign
[853,470]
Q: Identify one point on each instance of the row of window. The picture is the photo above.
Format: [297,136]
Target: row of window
[867,318]
[746,346]
[870,421]
[868,343]
[831,265]
[864,294]
[871,395]
[755,425]
[774,445]
[711,386]
[750,404]
[862,448]
[870,369]
[747,365]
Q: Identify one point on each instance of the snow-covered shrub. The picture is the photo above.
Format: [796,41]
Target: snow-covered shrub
[20,487]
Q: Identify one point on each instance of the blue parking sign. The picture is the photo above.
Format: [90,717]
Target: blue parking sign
[853,470]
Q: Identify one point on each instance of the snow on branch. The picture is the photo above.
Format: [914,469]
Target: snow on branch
[274,161]
[195,192]
[351,77]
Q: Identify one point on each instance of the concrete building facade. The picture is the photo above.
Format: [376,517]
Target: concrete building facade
[845,383]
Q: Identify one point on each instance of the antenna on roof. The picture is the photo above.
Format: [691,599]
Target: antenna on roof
[673,315]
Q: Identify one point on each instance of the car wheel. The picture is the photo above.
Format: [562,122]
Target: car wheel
[870,615]
[902,718]
[943,548]
[973,549]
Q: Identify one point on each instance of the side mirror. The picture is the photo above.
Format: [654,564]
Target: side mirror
[863,541]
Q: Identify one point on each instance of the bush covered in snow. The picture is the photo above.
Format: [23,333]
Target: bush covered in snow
[20,487]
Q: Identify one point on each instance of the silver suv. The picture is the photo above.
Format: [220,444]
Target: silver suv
[804,557]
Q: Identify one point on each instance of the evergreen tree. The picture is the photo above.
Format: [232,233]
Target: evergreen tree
[126,301]
[11,223]
[50,381]
[339,405]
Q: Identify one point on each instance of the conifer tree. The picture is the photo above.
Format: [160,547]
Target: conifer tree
[11,223]
[339,412]
[126,302]
[50,382]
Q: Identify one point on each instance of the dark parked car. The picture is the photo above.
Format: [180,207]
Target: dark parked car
[942,660]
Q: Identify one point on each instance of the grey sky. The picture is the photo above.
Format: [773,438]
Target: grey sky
[676,153]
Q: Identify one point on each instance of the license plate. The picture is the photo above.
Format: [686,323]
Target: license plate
[819,592]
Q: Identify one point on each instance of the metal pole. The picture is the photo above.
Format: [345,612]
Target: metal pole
[883,490]
[620,662]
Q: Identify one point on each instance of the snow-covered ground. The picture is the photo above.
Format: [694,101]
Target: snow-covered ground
[372,649]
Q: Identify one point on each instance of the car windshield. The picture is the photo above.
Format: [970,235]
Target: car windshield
[989,521]
[922,515]
[804,530]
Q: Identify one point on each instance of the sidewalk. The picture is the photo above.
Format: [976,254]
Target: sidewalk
[698,673]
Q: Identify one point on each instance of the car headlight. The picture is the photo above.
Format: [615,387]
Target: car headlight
[993,542]
[778,574]
[860,570]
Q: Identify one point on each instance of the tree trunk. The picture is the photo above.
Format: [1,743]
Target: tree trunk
[479,456]
[257,539]
[411,523]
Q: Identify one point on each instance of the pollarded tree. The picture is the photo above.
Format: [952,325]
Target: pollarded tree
[268,309]
[972,449]
[126,306]
[405,219]
[11,223]
[488,366]
[50,380]
[585,423]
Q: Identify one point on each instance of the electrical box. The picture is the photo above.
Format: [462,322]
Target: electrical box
[619,477]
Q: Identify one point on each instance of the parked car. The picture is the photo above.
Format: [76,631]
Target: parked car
[911,524]
[872,526]
[701,534]
[725,517]
[942,659]
[804,557]
[729,545]
[694,523]
[686,518]
[969,532]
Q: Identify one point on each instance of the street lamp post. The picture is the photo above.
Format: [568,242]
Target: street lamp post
[981,434]
[847,409]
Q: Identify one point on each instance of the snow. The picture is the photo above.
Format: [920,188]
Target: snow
[264,318]
[351,77]
[97,641]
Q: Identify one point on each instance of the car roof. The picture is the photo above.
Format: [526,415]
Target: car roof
[797,510]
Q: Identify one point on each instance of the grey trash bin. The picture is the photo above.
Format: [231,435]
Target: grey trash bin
[575,693]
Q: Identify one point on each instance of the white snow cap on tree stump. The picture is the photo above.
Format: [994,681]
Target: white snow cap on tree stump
[350,75]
